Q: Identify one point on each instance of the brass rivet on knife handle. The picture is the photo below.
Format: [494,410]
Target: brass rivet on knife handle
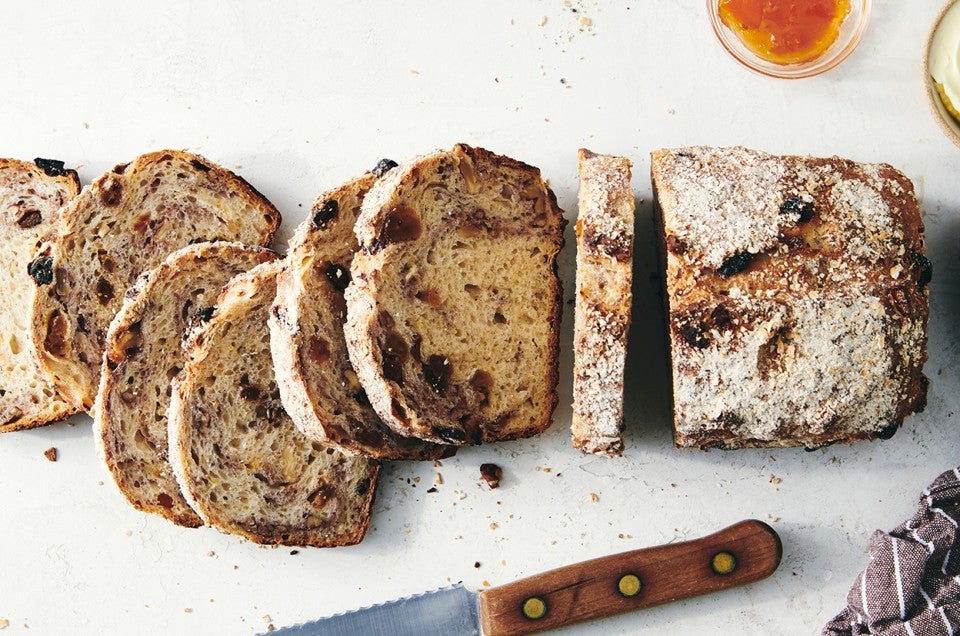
[534,608]
[723,563]
[599,587]
[629,585]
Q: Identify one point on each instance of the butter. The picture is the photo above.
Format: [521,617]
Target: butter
[945,59]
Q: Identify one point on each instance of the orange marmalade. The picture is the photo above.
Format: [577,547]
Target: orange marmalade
[785,31]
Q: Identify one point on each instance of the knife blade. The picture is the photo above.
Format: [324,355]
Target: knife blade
[742,553]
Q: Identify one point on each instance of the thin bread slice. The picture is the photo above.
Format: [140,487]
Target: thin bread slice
[239,459]
[797,296]
[124,223]
[453,311]
[31,195]
[318,385]
[602,317]
[143,354]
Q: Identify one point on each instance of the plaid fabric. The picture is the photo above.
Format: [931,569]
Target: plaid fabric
[912,585]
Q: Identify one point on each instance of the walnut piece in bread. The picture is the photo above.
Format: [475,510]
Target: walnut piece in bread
[31,195]
[318,385]
[797,297]
[453,310]
[124,223]
[602,317]
[143,354]
[240,461]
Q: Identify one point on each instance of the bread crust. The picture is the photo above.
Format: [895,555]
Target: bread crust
[798,299]
[123,223]
[318,385]
[143,344]
[492,221]
[240,461]
[603,298]
[30,202]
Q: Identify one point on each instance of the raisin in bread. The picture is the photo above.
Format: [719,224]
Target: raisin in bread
[453,310]
[318,385]
[122,224]
[798,300]
[239,459]
[602,317]
[143,354]
[31,195]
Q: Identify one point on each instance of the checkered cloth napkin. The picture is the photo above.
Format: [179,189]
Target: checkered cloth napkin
[912,585]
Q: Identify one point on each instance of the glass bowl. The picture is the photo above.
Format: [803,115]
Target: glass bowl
[949,125]
[851,32]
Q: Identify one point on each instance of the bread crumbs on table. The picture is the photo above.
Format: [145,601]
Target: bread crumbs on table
[494,525]
[594,497]
[50,454]
[775,480]
[4,623]
[266,618]
[188,610]
[439,479]
[211,553]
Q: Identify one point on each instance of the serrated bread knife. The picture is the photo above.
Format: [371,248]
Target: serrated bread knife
[743,553]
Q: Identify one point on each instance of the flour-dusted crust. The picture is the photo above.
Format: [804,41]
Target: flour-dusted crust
[30,201]
[143,354]
[602,317]
[124,223]
[318,385]
[453,310]
[240,461]
[798,298]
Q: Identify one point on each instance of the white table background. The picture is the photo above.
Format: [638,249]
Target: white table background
[297,98]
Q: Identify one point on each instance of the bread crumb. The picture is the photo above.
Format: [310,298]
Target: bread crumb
[188,610]
[129,533]
[85,125]
[4,623]
[50,454]
[773,518]
[211,553]
[492,474]
[437,463]
[267,619]
[585,21]
[594,497]
[485,583]
[774,479]
[439,479]
[460,494]
[494,525]
[543,20]
[270,627]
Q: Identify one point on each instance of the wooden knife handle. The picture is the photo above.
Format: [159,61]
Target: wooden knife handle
[743,553]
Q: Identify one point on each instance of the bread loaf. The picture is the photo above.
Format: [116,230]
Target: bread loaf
[239,459]
[798,300]
[602,318]
[453,310]
[124,223]
[318,385]
[143,354]
[31,195]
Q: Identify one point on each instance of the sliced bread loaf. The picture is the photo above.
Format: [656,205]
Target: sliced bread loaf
[797,297]
[31,195]
[239,459]
[143,354]
[453,311]
[602,318]
[122,224]
[318,385]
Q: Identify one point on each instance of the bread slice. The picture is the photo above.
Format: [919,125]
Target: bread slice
[239,459]
[31,195]
[143,353]
[453,310]
[798,299]
[318,385]
[122,224]
[602,318]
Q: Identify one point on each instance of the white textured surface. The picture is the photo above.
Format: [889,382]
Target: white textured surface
[302,96]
